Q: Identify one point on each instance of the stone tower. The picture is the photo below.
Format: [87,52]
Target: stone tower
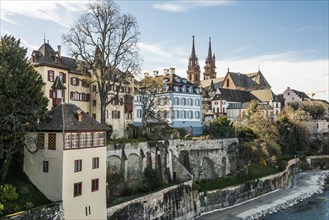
[209,68]
[193,71]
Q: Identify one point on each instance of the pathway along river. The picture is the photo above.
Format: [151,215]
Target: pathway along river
[302,186]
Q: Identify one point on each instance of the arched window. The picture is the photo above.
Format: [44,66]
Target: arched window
[183,101]
[176,101]
[190,115]
[183,114]
[197,115]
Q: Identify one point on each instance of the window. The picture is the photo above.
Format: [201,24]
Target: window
[177,114]
[183,114]
[50,75]
[77,189]
[197,115]
[95,164]
[94,102]
[89,139]
[45,166]
[176,101]
[190,102]
[77,165]
[106,114]
[115,114]
[74,81]
[227,83]
[94,185]
[82,139]
[84,83]
[41,141]
[139,113]
[52,141]
[197,102]
[75,140]
[190,115]
[94,88]
[101,138]
[62,77]
[68,140]
[94,116]
[96,136]
[183,101]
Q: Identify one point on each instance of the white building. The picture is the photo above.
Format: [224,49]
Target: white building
[179,103]
[291,95]
[66,160]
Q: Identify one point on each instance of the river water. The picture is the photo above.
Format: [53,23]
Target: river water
[313,208]
[303,186]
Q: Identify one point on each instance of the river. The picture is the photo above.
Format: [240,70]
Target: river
[303,185]
[313,208]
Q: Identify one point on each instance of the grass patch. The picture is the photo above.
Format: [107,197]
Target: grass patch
[28,195]
[255,171]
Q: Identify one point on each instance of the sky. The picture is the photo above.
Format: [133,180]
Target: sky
[286,40]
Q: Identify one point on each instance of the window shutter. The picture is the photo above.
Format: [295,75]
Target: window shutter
[77,81]
[71,95]
[64,78]
[51,94]
[71,80]
[88,98]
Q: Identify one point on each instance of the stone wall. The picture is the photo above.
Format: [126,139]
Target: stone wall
[318,162]
[49,212]
[222,198]
[174,202]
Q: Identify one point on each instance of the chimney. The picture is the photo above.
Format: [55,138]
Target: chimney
[78,115]
[59,50]
[172,70]
[146,74]
[166,71]
[155,73]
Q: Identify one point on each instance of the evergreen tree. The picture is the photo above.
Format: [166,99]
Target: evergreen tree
[22,102]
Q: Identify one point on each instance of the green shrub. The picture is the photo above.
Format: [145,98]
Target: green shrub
[8,193]
[1,208]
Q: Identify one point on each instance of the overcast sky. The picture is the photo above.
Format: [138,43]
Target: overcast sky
[287,40]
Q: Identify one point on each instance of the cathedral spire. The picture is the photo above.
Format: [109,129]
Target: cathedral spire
[193,71]
[210,66]
[209,49]
[193,58]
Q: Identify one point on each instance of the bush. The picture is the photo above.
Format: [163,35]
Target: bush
[8,193]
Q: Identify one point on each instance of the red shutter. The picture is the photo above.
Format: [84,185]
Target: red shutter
[64,78]
[51,94]
[71,95]
[88,97]
[71,80]
[78,81]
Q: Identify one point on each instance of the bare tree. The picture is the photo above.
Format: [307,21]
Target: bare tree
[106,41]
[154,102]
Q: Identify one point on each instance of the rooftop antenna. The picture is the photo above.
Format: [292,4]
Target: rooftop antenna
[44,38]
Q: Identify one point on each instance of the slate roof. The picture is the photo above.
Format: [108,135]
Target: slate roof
[259,79]
[242,80]
[46,55]
[235,105]
[300,94]
[58,84]
[264,95]
[64,118]
[218,83]
[234,95]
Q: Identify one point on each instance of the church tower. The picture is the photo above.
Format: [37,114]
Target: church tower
[193,71]
[209,68]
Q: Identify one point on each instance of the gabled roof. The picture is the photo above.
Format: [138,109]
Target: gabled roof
[46,55]
[218,82]
[58,84]
[234,95]
[242,80]
[258,78]
[64,118]
[265,95]
[300,94]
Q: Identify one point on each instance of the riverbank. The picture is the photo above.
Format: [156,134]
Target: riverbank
[302,186]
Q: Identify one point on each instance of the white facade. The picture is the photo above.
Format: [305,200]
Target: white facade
[290,95]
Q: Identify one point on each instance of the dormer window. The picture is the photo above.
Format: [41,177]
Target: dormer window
[184,89]
[191,89]
[184,80]
[176,88]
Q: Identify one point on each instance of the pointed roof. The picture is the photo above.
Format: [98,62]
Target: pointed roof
[209,50]
[259,78]
[58,84]
[242,80]
[64,118]
[193,60]
[232,95]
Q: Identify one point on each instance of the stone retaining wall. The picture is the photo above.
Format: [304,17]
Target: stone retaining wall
[174,202]
[52,211]
[222,198]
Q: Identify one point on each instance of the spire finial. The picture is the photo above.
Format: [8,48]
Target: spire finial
[228,69]
[44,38]
[258,68]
